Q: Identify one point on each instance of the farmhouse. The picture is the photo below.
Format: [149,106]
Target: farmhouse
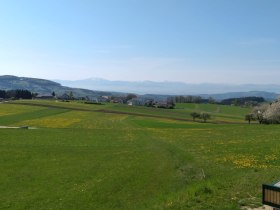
[117,101]
[136,102]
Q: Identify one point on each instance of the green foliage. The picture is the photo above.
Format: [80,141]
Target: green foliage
[16,94]
[130,96]
[71,95]
[194,115]
[3,94]
[250,117]
[243,101]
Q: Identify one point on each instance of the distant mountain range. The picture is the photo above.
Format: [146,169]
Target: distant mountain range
[147,89]
[217,91]
[170,88]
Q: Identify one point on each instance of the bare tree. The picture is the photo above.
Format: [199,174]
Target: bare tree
[205,116]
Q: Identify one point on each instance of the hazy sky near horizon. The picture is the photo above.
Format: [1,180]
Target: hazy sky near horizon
[194,41]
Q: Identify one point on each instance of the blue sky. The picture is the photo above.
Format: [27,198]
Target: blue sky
[194,41]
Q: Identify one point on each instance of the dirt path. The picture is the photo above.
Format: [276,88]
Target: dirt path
[8,127]
[13,127]
[259,208]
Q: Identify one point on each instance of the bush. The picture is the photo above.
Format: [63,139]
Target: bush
[268,113]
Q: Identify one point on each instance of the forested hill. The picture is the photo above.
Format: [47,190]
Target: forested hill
[44,87]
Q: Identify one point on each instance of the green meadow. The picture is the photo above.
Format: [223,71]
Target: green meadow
[84,156]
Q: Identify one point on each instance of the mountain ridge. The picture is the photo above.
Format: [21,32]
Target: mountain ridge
[168,87]
[46,87]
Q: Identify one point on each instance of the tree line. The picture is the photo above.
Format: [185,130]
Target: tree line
[16,94]
[189,99]
[243,101]
[249,101]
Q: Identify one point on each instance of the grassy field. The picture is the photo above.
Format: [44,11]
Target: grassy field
[219,113]
[83,157]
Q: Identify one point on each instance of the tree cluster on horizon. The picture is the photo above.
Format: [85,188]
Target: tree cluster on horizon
[16,94]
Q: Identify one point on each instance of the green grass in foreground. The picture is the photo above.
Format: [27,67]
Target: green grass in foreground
[91,160]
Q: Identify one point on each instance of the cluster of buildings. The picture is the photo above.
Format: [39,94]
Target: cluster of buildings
[136,101]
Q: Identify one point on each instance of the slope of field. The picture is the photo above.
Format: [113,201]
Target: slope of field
[81,158]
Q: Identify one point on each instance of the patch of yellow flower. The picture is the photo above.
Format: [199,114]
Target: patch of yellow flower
[10,109]
[244,161]
[101,121]
[270,157]
[51,122]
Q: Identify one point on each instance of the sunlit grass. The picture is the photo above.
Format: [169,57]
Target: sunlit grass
[93,160]
[9,109]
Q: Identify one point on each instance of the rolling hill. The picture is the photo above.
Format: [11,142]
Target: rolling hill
[45,87]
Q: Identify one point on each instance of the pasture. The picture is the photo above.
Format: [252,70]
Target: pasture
[119,157]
